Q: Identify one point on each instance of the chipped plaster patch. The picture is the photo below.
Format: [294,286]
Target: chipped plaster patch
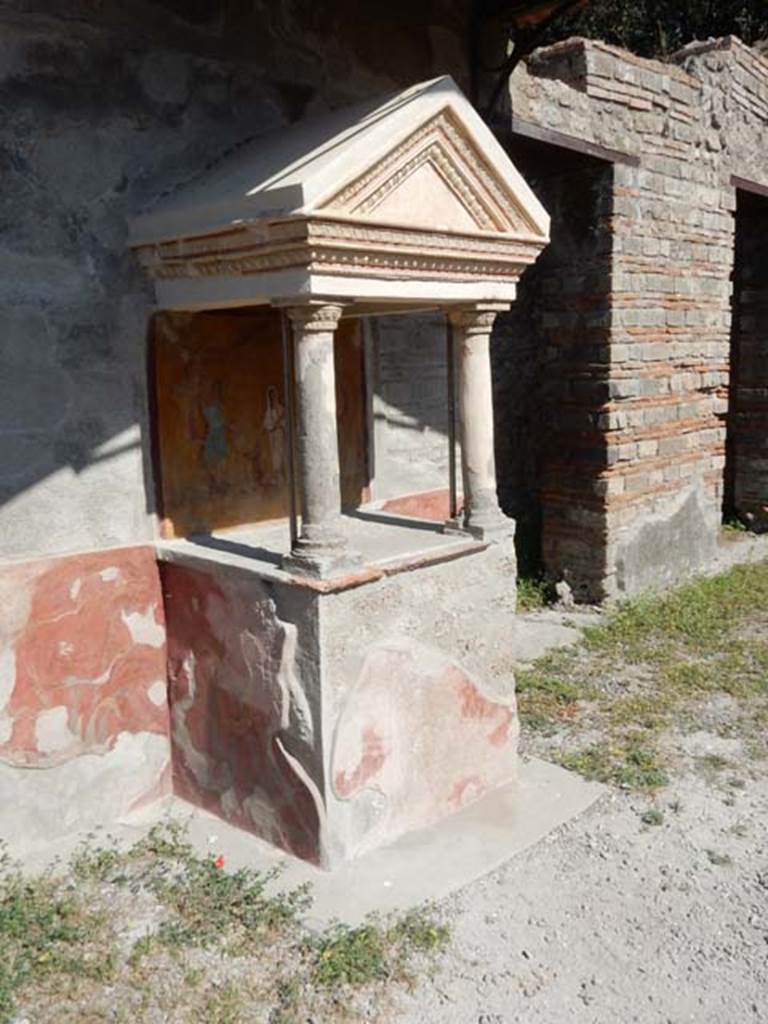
[110,574]
[52,730]
[7,675]
[6,728]
[85,792]
[144,628]
[74,590]
[158,692]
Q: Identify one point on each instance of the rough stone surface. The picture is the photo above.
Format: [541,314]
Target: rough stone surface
[611,920]
[107,109]
[644,415]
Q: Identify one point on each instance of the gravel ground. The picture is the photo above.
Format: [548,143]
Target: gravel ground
[614,920]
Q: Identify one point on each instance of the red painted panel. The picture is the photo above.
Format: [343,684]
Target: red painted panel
[232,693]
[416,730]
[82,655]
[434,505]
[220,427]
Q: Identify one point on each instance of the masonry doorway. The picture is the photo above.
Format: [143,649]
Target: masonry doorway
[550,372]
[745,490]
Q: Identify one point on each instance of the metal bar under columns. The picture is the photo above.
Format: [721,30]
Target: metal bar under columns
[287,335]
[451,367]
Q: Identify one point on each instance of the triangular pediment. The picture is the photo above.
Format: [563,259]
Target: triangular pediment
[422,157]
[436,178]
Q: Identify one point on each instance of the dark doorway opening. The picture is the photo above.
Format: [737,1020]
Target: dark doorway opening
[550,369]
[745,485]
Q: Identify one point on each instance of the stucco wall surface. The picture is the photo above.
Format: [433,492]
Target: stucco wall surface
[330,723]
[107,106]
[419,709]
[83,706]
[245,696]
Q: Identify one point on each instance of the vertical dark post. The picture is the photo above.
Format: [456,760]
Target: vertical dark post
[287,334]
[451,367]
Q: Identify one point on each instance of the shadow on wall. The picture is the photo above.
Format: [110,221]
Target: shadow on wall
[100,118]
[104,112]
[409,404]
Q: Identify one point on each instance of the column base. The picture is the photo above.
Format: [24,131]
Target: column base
[319,562]
[452,526]
[489,527]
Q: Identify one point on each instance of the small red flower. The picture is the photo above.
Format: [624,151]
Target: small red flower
[219,862]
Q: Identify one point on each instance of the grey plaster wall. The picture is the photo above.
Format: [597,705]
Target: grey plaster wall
[410,404]
[105,107]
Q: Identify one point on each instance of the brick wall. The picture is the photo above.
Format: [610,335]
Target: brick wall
[660,403]
[550,368]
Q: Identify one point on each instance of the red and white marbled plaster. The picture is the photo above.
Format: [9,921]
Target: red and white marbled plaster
[418,734]
[82,655]
[236,707]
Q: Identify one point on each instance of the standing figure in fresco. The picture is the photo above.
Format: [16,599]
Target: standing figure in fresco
[216,436]
[274,424]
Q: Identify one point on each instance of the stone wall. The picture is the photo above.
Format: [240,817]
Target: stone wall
[410,405]
[106,107]
[692,123]
[550,361]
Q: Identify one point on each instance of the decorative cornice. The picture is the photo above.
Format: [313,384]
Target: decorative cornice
[342,247]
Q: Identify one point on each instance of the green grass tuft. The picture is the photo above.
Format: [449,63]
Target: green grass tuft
[61,944]
[651,666]
[533,592]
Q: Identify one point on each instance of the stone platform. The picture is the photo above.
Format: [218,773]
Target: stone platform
[425,865]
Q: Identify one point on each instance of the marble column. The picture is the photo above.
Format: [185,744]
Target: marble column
[472,326]
[321,547]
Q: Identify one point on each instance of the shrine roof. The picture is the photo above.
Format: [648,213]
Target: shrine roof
[353,193]
[292,170]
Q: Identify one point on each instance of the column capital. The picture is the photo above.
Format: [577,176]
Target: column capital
[316,316]
[477,318]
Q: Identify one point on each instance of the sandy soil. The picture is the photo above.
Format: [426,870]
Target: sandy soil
[612,920]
